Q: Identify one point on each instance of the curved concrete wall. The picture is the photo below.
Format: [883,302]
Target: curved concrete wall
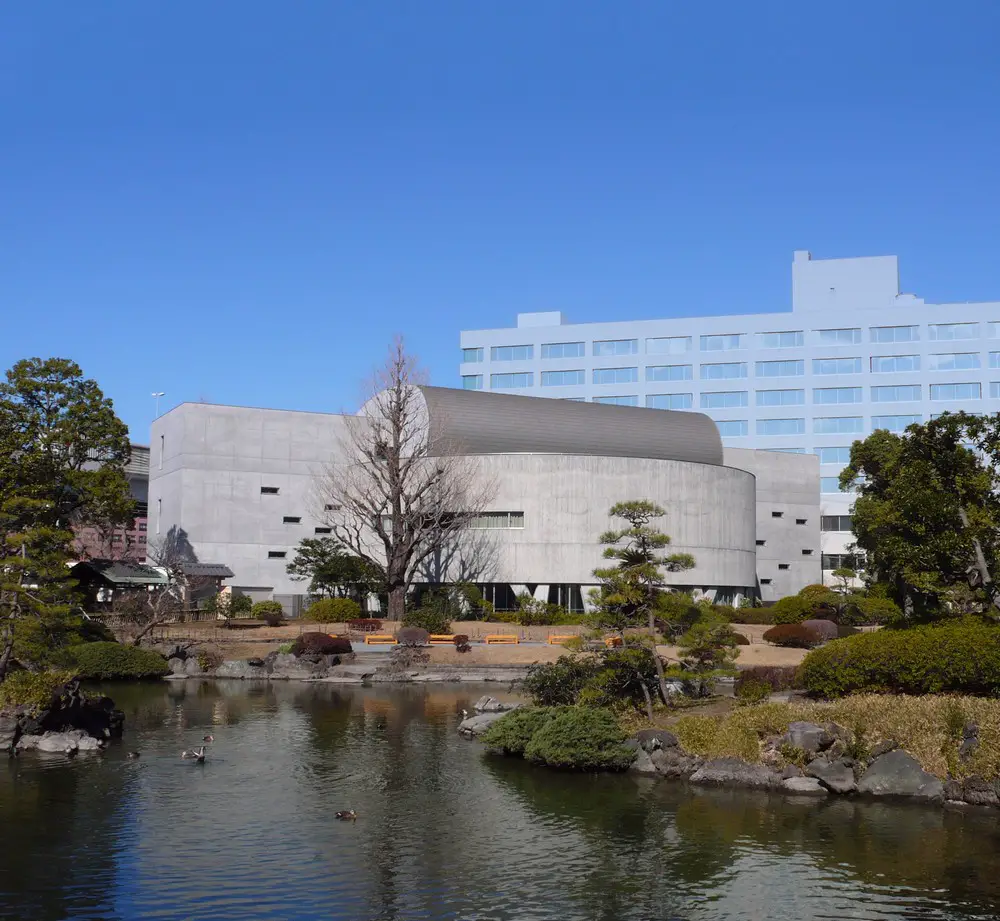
[473,422]
[565,500]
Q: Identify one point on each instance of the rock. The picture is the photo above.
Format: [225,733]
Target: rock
[240,668]
[883,748]
[791,770]
[809,785]
[732,772]
[478,724]
[811,738]
[8,730]
[967,749]
[837,775]
[176,665]
[898,773]
[193,667]
[643,764]
[487,704]
[59,742]
[978,791]
[286,666]
[674,762]
[652,739]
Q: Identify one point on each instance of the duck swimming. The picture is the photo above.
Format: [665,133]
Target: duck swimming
[208,739]
[132,756]
[346,815]
[197,754]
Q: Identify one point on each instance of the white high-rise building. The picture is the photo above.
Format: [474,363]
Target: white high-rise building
[853,355]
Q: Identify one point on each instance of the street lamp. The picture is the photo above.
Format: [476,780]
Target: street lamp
[156,396]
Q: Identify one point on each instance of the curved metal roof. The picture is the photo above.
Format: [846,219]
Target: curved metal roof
[475,422]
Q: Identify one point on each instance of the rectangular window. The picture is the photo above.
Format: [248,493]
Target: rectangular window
[993,330]
[512,352]
[616,375]
[837,395]
[732,428]
[512,381]
[162,438]
[838,425]
[670,400]
[323,530]
[946,332]
[494,521]
[903,393]
[807,553]
[726,399]
[838,336]
[795,368]
[669,345]
[761,543]
[332,508]
[837,455]
[781,397]
[894,423]
[472,382]
[276,554]
[836,366]
[995,390]
[777,514]
[724,371]
[895,333]
[783,566]
[630,400]
[563,350]
[617,347]
[142,525]
[563,378]
[292,519]
[781,426]
[801,520]
[722,343]
[829,484]
[953,361]
[894,364]
[840,523]
[472,355]
[956,391]
[269,490]
[765,581]
[995,359]
[787,340]
[116,538]
[833,561]
[668,373]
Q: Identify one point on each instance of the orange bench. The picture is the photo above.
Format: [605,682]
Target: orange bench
[502,638]
[610,641]
[441,639]
[380,639]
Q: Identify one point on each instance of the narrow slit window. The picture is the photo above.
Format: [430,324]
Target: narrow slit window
[801,520]
[777,514]
[269,490]
[807,553]
[292,519]
[324,530]
[276,554]
[783,566]
[761,543]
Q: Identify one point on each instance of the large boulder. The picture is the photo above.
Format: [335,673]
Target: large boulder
[487,704]
[478,724]
[70,742]
[978,791]
[804,785]
[811,738]
[8,730]
[240,668]
[285,665]
[177,665]
[192,667]
[643,764]
[898,773]
[675,762]
[652,739]
[732,772]
[837,775]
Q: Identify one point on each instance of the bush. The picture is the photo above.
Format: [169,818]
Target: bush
[790,610]
[112,661]
[321,644]
[241,606]
[559,683]
[960,657]
[31,689]
[332,611]
[511,734]
[365,625]
[412,636]
[581,739]
[825,629]
[209,660]
[619,681]
[432,618]
[461,642]
[534,613]
[761,616]
[271,612]
[285,648]
[776,677]
[752,691]
[844,630]
[740,639]
[795,636]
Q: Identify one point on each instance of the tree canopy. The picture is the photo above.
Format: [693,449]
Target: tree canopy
[335,572]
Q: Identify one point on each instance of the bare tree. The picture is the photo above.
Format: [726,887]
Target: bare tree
[396,496]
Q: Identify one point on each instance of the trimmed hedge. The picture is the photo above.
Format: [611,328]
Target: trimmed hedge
[760,616]
[112,661]
[959,657]
[332,611]
[412,636]
[271,612]
[825,629]
[581,739]
[511,734]
[790,610]
[796,636]
[321,644]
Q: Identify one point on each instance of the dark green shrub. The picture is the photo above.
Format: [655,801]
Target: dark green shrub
[31,689]
[761,616]
[752,691]
[626,677]
[844,630]
[271,612]
[112,661]
[332,611]
[511,734]
[241,606]
[581,739]
[431,618]
[553,684]
[412,636]
[776,677]
[790,610]
[321,644]
[740,639]
[795,636]
[962,657]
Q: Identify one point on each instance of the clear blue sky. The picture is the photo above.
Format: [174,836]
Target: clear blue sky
[243,201]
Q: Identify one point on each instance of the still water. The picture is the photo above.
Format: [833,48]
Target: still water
[443,831]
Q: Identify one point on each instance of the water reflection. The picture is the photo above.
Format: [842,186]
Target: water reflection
[443,831]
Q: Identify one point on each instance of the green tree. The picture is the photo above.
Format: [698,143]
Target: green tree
[333,572]
[62,457]
[630,589]
[927,514]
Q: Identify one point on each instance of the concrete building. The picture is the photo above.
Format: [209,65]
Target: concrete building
[852,356]
[238,485]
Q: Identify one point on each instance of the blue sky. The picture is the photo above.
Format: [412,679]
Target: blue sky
[242,202]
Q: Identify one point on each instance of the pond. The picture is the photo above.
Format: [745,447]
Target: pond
[443,830]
